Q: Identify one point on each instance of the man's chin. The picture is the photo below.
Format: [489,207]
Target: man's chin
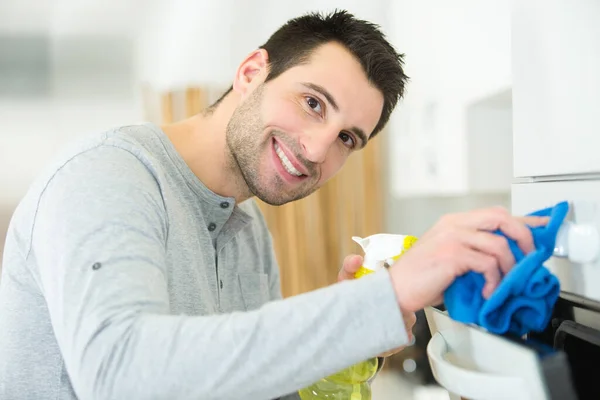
[271,193]
[277,199]
[274,201]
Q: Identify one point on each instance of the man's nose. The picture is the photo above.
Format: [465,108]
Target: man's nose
[317,143]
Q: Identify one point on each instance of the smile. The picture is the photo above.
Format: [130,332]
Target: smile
[286,162]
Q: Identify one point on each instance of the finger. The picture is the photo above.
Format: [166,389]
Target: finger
[350,265]
[534,221]
[492,244]
[498,218]
[518,231]
[487,266]
[410,319]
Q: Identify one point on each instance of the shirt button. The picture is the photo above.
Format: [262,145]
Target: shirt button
[224,204]
[212,226]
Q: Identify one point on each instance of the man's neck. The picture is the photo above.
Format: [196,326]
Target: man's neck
[201,142]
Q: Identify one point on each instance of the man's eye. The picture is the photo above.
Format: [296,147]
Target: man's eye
[347,139]
[314,104]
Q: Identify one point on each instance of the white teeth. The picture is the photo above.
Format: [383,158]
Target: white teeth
[286,162]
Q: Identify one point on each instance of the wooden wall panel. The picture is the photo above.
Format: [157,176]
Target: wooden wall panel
[313,235]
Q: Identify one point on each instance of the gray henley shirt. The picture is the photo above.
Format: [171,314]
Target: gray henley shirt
[124,277]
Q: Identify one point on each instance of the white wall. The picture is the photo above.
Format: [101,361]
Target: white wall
[490,144]
[73,17]
[415,215]
[189,42]
[82,84]
[33,131]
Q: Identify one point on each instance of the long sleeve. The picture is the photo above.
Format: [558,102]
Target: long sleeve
[275,291]
[99,244]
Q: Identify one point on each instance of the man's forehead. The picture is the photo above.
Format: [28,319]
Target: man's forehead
[330,66]
[332,56]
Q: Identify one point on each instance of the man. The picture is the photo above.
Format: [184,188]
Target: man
[137,266]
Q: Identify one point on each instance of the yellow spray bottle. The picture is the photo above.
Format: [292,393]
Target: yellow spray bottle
[352,383]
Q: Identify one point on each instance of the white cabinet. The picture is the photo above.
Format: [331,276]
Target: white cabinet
[556,87]
[452,133]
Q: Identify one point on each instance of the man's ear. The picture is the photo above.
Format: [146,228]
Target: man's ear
[251,72]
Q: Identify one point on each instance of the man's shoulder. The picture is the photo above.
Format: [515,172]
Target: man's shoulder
[134,139]
[96,164]
[95,159]
[119,147]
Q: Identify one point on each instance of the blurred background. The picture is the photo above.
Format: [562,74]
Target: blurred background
[69,67]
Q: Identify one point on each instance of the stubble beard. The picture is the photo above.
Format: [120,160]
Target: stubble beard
[244,150]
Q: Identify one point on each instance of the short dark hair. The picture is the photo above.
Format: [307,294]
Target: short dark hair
[294,42]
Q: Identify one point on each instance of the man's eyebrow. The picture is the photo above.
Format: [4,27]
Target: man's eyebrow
[324,92]
[361,135]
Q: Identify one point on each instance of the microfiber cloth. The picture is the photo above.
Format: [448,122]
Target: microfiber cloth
[525,297]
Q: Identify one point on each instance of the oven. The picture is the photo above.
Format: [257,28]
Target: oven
[563,361]
[556,157]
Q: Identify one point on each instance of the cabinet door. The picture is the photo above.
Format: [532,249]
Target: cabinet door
[556,87]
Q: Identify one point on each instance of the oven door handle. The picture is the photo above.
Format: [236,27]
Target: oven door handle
[468,383]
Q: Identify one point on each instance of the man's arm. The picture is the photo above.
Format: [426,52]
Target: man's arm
[350,265]
[99,240]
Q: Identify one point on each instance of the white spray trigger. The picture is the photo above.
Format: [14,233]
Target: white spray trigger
[380,248]
[364,243]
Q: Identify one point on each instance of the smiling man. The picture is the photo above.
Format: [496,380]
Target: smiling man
[299,106]
[138,266]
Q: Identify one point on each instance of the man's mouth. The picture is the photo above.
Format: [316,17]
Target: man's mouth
[287,164]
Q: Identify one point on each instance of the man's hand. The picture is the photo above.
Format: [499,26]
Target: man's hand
[459,243]
[351,264]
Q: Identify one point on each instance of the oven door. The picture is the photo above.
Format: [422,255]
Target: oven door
[473,364]
[563,362]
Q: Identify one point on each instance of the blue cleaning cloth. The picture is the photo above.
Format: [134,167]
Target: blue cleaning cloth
[525,297]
